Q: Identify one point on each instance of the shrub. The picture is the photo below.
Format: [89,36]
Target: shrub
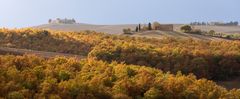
[196,31]
[211,32]
[15,95]
[186,28]
[127,31]
[63,75]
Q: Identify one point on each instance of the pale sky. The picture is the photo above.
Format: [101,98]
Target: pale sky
[24,13]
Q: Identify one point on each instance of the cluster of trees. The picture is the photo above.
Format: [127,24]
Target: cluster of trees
[217,60]
[144,28]
[150,26]
[62,21]
[140,27]
[32,77]
[233,36]
[231,23]
[235,23]
[189,29]
[199,23]
[186,29]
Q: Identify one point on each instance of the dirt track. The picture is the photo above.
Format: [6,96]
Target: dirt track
[174,34]
[6,50]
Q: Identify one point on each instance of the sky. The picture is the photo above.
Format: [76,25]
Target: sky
[25,13]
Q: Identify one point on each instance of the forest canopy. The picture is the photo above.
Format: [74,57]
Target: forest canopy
[117,67]
[33,77]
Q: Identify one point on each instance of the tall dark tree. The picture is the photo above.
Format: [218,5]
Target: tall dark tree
[73,20]
[149,26]
[50,21]
[137,29]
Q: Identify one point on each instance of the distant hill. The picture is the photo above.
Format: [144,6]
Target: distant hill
[117,29]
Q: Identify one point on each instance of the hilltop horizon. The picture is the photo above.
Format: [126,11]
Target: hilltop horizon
[89,23]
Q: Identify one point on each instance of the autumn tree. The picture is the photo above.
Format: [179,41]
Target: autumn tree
[65,78]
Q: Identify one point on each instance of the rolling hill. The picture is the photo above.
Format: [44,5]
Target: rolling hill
[112,29]
[117,29]
[173,34]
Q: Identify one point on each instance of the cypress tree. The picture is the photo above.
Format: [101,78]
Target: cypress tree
[149,26]
[137,29]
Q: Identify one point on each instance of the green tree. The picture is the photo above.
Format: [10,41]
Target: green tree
[211,32]
[63,75]
[186,28]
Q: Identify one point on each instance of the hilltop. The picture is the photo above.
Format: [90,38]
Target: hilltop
[111,29]
[118,29]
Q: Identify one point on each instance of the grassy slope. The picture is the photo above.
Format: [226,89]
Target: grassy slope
[112,29]
[178,35]
[118,28]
